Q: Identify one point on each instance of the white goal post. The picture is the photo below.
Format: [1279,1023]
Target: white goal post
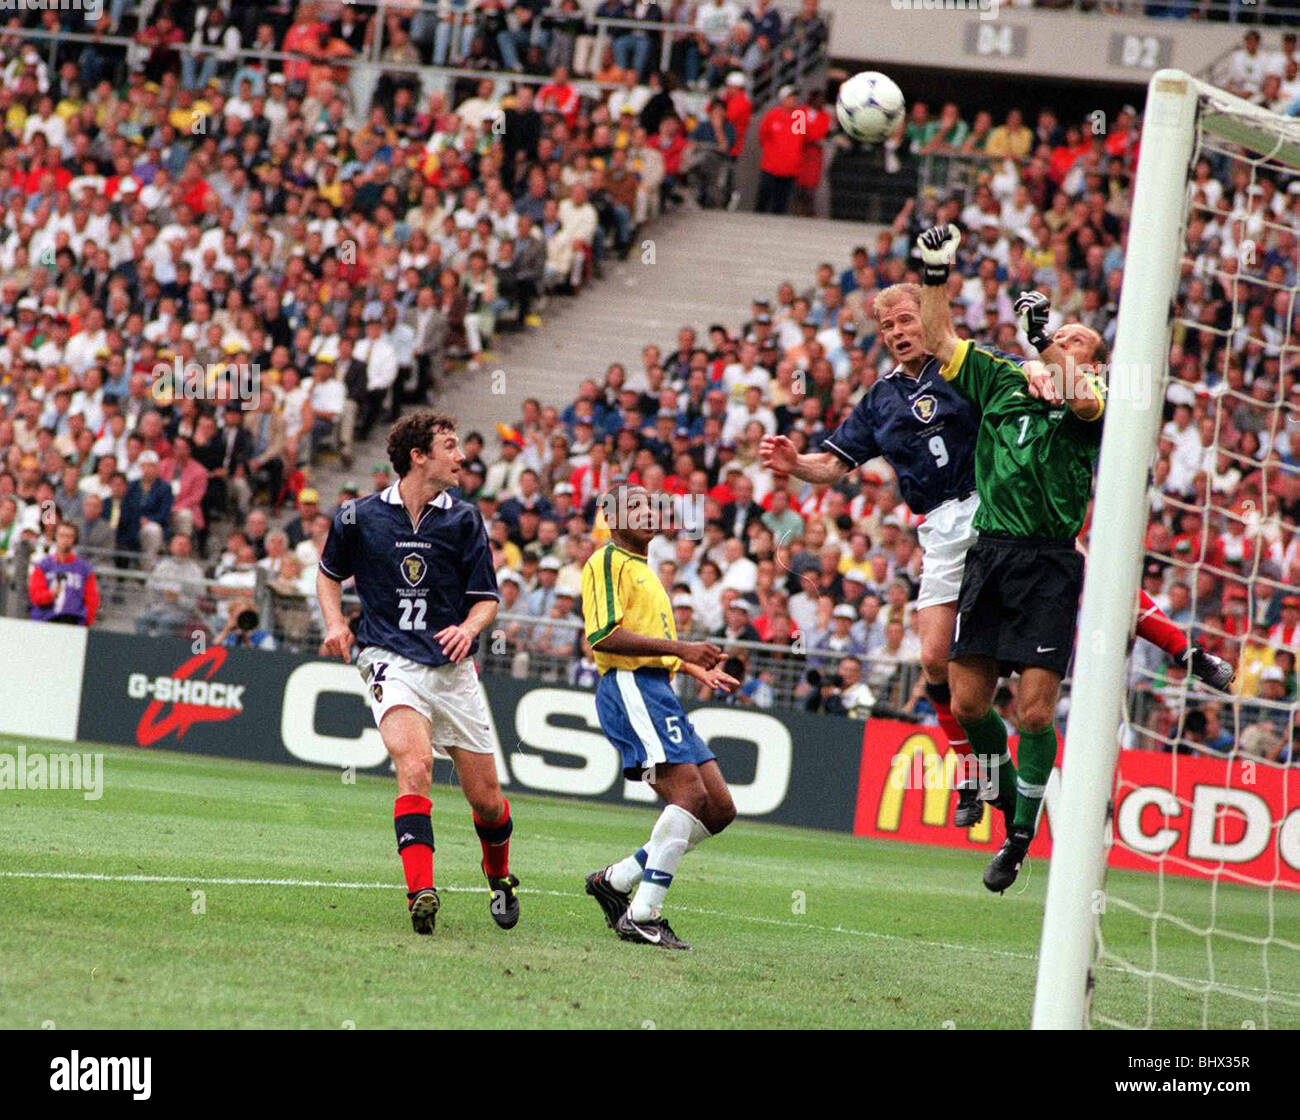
[1178,109]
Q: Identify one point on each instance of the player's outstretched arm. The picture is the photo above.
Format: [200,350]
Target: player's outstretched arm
[938,249]
[713,678]
[778,453]
[704,654]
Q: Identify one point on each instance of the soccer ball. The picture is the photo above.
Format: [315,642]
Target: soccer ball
[869,107]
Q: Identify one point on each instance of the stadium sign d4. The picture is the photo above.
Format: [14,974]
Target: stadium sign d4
[192,699]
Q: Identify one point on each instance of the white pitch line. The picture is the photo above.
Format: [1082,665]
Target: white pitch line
[85,876]
[207,881]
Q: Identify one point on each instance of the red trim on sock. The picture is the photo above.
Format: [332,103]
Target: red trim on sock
[412,803]
[957,738]
[417,859]
[1154,626]
[496,857]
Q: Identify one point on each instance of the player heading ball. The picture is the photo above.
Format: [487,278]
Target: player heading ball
[423,571]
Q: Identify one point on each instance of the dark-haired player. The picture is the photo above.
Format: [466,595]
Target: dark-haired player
[629,623]
[423,571]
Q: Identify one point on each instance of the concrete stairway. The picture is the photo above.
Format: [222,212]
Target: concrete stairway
[707,267]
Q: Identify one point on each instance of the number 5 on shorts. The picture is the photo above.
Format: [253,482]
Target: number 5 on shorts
[671,728]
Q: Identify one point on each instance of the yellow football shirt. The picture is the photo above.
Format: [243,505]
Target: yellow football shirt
[619,589]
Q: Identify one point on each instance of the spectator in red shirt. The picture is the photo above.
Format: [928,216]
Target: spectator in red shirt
[781,136]
[189,482]
[162,37]
[558,96]
[1285,633]
[197,194]
[1067,155]
[739,109]
[303,37]
[671,144]
[810,167]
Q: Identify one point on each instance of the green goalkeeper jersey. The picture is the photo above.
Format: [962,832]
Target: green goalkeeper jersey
[1033,461]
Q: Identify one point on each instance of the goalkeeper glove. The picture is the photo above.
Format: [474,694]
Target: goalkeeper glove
[938,249]
[1032,309]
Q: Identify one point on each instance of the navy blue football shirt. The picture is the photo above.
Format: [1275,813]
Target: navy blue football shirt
[413,581]
[925,429]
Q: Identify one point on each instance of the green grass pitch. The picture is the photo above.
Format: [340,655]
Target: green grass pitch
[792,928]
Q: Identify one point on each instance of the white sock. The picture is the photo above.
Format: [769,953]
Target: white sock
[625,874]
[675,833]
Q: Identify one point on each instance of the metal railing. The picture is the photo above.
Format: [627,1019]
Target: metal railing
[776,70]
[607,28]
[945,173]
[549,650]
[1157,721]
[519,645]
[132,600]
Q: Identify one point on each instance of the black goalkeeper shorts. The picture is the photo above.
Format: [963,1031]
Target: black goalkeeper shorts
[1018,603]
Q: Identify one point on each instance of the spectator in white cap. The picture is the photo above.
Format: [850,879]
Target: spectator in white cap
[840,641]
[554,638]
[738,626]
[689,628]
[740,109]
[511,587]
[869,629]
[540,600]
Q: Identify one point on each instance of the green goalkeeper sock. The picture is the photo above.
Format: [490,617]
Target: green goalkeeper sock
[988,743]
[1037,753]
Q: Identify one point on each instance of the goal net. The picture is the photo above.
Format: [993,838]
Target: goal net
[1174,886]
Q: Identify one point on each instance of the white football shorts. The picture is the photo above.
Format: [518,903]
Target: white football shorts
[945,536]
[449,696]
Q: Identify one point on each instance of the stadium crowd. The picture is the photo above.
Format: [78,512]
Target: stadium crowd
[159,219]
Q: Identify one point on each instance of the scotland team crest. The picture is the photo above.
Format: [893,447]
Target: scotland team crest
[413,567]
[924,408]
